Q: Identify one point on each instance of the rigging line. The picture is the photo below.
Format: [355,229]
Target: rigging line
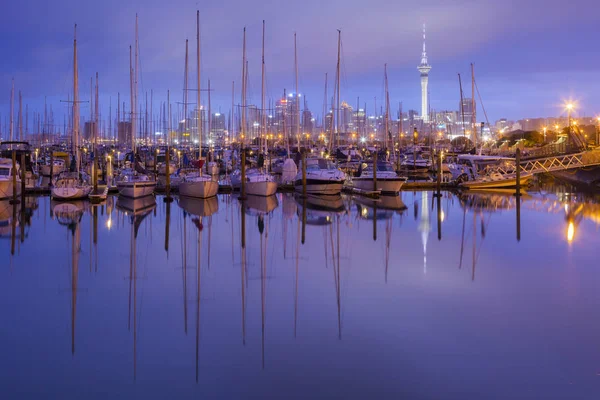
[481,102]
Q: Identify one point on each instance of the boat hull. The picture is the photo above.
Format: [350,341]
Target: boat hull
[318,186]
[201,189]
[263,188]
[70,193]
[6,188]
[136,189]
[497,184]
[385,185]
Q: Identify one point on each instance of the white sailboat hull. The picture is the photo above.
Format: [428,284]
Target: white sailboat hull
[70,193]
[385,185]
[315,186]
[199,189]
[263,188]
[136,189]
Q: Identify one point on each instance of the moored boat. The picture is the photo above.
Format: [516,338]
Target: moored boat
[322,177]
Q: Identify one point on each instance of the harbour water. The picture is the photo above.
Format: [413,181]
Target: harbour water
[350,299]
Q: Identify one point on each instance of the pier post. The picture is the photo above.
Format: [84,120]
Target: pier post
[439,174]
[303,175]
[518,193]
[518,167]
[375,171]
[168,198]
[155,163]
[243,183]
[51,168]
[23,176]
[14,200]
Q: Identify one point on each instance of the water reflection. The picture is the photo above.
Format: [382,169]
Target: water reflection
[299,287]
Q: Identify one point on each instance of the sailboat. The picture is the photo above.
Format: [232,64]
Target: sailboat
[198,184]
[135,182]
[71,185]
[258,181]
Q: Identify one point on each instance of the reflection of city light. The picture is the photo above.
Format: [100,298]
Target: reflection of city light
[109,223]
[570,231]
[442,215]
[364,212]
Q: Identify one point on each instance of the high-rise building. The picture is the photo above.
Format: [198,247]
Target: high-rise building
[424,69]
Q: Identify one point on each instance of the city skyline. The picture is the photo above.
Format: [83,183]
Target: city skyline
[513,84]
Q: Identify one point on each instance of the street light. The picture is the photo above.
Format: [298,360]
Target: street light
[545,129]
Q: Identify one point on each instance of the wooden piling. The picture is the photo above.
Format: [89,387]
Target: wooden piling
[243,183]
[439,175]
[375,171]
[23,176]
[518,167]
[15,199]
[439,215]
[51,167]
[518,193]
[303,175]
[168,198]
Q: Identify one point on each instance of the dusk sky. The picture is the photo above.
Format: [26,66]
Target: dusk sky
[530,56]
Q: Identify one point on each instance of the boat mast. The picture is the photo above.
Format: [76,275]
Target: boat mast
[95,168]
[198,97]
[135,69]
[209,116]
[462,108]
[243,127]
[337,127]
[75,101]
[20,116]
[473,117]
[12,108]
[297,99]
[132,103]
[262,93]
[325,108]
[232,133]
[185,91]
[387,107]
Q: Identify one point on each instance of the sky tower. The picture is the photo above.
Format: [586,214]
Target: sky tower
[424,69]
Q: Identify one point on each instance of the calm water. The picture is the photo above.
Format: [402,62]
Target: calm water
[108,302]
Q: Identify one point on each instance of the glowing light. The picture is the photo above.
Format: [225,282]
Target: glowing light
[570,231]
[109,223]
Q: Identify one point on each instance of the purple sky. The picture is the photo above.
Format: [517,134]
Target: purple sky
[529,57]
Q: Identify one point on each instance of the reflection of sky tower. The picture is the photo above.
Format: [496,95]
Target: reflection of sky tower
[424,69]
[424,226]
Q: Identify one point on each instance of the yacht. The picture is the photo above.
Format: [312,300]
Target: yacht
[70,186]
[416,163]
[198,185]
[322,177]
[388,181]
[6,179]
[21,148]
[486,172]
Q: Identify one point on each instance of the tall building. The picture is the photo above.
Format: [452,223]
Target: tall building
[424,69]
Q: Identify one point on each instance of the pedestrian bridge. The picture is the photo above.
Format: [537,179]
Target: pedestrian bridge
[561,162]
